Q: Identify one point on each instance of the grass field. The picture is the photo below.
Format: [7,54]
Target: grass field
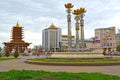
[6,58]
[43,75]
[105,60]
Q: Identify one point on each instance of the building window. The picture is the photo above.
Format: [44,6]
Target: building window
[116,43]
[110,44]
[104,44]
[107,44]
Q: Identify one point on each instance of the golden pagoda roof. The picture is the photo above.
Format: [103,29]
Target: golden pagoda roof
[52,26]
[17,25]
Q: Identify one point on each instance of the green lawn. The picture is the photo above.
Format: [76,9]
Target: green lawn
[43,75]
[6,58]
[105,60]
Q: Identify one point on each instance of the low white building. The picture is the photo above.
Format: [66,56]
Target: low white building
[65,41]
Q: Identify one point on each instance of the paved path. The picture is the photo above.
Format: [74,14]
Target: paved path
[20,65]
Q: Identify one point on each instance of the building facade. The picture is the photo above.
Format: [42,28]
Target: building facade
[106,37]
[117,39]
[51,38]
[65,41]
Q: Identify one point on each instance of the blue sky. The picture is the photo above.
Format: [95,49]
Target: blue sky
[35,15]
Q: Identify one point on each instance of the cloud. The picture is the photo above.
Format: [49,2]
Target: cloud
[35,15]
[34,38]
[4,38]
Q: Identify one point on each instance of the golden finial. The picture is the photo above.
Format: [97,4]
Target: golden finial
[82,10]
[76,12]
[69,5]
[17,24]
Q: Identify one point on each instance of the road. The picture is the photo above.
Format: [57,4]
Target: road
[20,65]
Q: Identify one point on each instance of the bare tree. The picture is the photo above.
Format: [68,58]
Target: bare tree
[37,49]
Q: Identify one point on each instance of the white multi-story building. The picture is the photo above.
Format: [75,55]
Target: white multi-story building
[65,41]
[51,38]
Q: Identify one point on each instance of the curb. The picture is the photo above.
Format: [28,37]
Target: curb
[73,64]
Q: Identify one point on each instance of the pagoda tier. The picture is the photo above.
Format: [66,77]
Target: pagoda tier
[17,46]
[17,34]
[16,43]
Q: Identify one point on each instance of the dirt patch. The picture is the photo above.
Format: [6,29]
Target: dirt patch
[48,78]
[1,79]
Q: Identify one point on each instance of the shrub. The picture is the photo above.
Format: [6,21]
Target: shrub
[16,54]
[118,48]
[7,54]
[0,55]
[104,52]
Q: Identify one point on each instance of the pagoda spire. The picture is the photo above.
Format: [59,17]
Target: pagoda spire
[17,24]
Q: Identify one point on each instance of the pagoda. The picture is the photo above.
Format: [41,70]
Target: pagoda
[16,43]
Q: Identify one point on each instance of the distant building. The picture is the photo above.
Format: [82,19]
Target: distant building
[117,39]
[108,38]
[105,39]
[65,41]
[51,38]
[16,44]
[89,43]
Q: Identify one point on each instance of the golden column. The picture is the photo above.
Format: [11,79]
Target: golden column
[76,13]
[68,6]
[81,16]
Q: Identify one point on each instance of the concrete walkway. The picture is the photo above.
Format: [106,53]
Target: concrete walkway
[20,65]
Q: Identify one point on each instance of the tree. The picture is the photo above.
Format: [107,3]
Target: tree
[38,47]
[16,54]
[7,54]
[118,48]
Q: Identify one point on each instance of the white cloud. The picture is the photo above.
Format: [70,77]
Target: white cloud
[5,37]
[35,15]
[34,38]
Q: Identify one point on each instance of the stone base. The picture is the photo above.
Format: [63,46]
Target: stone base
[76,55]
[77,50]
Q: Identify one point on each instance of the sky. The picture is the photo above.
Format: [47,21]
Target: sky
[36,15]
